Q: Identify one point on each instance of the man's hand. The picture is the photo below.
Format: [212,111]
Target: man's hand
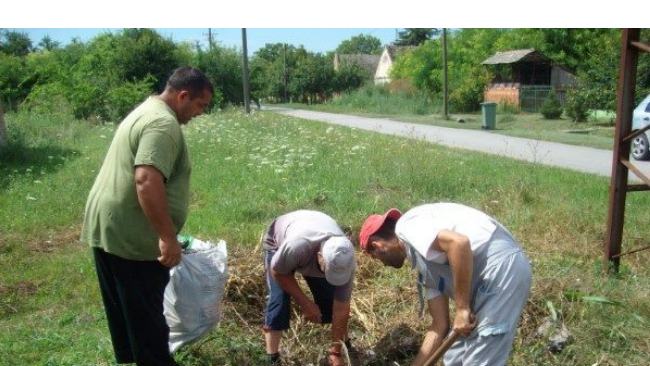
[170,252]
[311,312]
[464,322]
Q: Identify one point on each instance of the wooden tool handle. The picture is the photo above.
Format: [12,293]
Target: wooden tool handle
[446,343]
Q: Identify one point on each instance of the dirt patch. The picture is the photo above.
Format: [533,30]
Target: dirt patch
[12,296]
[399,345]
[54,241]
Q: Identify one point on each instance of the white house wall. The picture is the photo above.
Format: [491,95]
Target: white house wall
[383,68]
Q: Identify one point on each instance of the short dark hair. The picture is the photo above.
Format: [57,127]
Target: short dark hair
[190,79]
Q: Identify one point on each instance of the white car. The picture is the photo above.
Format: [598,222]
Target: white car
[640,119]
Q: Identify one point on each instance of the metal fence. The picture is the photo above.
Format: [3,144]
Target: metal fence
[531,97]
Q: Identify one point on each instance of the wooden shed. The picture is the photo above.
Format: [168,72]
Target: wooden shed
[523,79]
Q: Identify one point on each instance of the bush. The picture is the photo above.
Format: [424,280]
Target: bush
[404,86]
[122,99]
[14,76]
[576,105]
[551,108]
[350,77]
[48,99]
[467,95]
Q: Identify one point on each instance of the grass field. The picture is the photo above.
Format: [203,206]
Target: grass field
[249,169]
[597,132]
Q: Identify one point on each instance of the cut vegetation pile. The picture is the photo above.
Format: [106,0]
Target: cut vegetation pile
[248,170]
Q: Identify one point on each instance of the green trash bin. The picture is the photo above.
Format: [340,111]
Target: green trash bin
[489,110]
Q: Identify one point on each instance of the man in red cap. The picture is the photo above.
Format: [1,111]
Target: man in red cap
[463,254]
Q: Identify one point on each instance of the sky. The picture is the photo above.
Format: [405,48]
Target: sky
[313,39]
[321,14]
[318,25]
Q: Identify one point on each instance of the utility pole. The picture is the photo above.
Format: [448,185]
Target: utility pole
[285,75]
[247,102]
[210,39]
[444,75]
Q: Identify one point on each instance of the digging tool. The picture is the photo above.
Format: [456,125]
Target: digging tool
[446,343]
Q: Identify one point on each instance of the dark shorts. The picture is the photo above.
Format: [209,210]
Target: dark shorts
[278,305]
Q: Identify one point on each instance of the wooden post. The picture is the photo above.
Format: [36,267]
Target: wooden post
[247,102]
[618,185]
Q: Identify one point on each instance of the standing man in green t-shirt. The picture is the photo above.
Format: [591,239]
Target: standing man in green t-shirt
[134,211]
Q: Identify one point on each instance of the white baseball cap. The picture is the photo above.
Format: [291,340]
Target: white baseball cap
[340,262]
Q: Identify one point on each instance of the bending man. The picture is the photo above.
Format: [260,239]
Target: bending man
[311,243]
[463,254]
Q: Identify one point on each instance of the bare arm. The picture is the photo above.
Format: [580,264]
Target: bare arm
[150,188]
[461,261]
[439,310]
[340,317]
[289,284]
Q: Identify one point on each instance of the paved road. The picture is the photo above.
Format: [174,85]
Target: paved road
[583,159]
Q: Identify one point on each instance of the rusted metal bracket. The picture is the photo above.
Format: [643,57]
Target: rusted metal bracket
[636,171]
[643,46]
[636,133]
[633,251]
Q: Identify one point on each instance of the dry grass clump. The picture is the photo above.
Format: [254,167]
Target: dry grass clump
[384,327]
[245,291]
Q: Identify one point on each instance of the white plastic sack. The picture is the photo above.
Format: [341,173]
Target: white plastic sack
[194,292]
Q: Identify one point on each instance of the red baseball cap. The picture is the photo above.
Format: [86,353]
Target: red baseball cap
[373,223]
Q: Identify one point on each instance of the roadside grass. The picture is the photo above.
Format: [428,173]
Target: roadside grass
[249,169]
[597,132]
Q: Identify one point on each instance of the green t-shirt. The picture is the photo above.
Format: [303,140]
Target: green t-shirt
[114,220]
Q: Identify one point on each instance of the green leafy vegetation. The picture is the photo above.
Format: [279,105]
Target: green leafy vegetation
[361,43]
[551,108]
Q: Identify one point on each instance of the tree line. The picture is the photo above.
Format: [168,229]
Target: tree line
[106,76]
[593,55]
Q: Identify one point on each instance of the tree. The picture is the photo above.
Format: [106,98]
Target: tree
[15,81]
[140,52]
[415,36]
[15,43]
[223,67]
[361,43]
[48,43]
[272,69]
[313,77]
[349,77]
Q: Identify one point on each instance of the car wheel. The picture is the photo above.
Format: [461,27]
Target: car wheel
[640,149]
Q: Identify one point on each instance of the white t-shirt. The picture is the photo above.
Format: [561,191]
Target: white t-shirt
[420,226]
